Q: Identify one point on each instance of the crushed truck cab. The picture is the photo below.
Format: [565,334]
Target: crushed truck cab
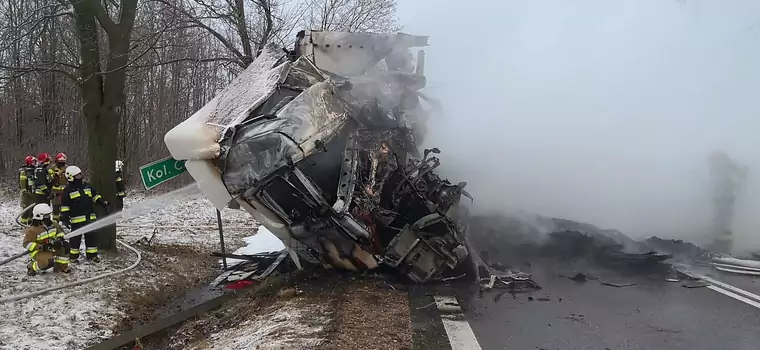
[320,145]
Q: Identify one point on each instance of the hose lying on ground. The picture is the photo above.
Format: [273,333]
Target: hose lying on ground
[18,218]
[77,283]
[73,284]
[13,258]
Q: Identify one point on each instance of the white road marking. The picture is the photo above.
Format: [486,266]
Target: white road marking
[731,288]
[457,328]
[735,296]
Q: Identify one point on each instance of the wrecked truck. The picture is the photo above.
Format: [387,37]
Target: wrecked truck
[320,144]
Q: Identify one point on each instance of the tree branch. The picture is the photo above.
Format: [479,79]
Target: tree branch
[33,69]
[105,21]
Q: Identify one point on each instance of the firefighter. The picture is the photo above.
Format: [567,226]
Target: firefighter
[78,210]
[45,241]
[26,185]
[59,183]
[43,179]
[121,191]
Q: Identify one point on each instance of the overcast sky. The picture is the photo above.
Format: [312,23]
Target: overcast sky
[596,110]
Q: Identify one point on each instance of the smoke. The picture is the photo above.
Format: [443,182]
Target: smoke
[597,111]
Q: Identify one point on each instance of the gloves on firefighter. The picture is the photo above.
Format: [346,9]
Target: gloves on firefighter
[65,223]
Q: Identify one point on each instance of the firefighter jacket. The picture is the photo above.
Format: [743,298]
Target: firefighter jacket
[120,190]
[39,238]
[26,179]
[59,178]
[78,203]
[43,179]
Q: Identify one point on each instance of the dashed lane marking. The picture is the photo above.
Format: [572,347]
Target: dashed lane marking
[457,328]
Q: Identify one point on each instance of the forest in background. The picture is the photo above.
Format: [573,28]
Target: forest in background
[60,57]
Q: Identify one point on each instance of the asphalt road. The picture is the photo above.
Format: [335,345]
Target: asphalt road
[653,314]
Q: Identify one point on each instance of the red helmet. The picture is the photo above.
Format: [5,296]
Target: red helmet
[60,158]
[44,158]
[29,160]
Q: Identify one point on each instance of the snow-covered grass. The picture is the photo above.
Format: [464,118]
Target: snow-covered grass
[65,319]
[293,324]
[188,221]
[76,317]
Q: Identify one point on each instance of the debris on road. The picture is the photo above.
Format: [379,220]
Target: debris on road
[515,282]
[695,284]
[618,285]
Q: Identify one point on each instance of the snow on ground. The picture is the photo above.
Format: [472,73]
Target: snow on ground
[290,325]
[65,319]
[188,221]
[76,317]
[264,241]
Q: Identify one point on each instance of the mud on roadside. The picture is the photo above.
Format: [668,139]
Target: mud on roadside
[172,270]
[306,311]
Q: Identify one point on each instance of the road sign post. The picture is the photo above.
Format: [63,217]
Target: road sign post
[160,171]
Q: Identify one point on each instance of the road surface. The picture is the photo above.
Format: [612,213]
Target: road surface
[653,314]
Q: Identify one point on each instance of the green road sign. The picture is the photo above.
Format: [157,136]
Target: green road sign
[160,171]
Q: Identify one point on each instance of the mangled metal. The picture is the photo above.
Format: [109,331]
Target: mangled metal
[324,152]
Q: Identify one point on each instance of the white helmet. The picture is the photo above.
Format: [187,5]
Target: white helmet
[119,165]
[41,210]
[72,171]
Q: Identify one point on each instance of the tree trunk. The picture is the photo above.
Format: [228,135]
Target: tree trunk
[103,95]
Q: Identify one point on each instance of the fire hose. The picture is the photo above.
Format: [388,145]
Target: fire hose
[18,218]
[73,284]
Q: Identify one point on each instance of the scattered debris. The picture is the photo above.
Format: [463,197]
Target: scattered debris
[618,285]
[262,255]
[514,282]
[579,277]
[695,284]
[576,317]
[679,249]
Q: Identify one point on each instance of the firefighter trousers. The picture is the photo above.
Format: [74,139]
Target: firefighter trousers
[57,198]
[118,204]
[27,199]
[42,261]
[41,198]
[90,242]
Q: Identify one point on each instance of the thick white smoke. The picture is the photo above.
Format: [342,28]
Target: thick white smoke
[598,111]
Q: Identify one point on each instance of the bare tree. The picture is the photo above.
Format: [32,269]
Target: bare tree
[353,15]
[241,27]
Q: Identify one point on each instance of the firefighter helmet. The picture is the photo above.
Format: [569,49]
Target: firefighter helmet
[72,171]
[30,160]
[41,210]
[119,165]
[60,158]
[44,158]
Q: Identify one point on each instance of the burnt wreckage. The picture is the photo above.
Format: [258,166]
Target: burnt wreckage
[320,145]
